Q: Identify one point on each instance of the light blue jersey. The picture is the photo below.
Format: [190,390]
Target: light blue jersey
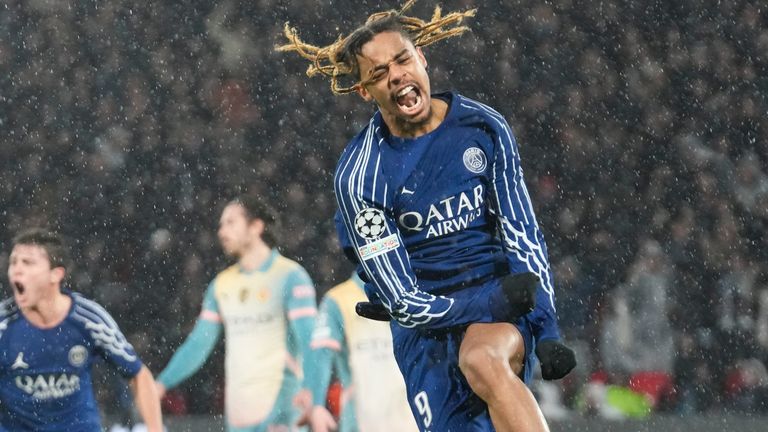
[45,374]
[374,396]
[267,316]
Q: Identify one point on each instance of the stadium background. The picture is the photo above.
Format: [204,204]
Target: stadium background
[642,127]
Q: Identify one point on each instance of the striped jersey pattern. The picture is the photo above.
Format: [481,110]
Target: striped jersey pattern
[45,373]
[445,211]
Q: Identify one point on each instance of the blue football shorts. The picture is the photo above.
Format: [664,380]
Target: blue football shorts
[440,397]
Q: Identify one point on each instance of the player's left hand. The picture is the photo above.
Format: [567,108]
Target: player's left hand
[556,359]
[515,298]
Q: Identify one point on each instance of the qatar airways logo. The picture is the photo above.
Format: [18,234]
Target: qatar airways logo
[51,386]
[449,215]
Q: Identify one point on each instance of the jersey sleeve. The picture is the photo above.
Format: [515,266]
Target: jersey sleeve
[523,241]
[198,345]
[106,336]
[301,306]
[327,345]
[344,241]
[210,309]
[369,230]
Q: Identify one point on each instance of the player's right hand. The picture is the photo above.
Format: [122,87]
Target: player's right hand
[321,420]
[160,388]
[556,359]
[373,311]
[303,401]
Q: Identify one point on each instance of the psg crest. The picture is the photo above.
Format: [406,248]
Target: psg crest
[475,160]
[78,355]
[369,223]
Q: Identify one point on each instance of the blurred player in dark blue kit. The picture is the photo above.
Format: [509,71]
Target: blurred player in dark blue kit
[434,210]
[50,338]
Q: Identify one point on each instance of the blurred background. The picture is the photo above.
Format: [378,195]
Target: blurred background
[642,125]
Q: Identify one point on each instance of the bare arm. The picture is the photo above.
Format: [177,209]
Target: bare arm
[146,399]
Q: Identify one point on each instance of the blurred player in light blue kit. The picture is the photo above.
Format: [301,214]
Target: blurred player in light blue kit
[49,340]
[434,209]
[359,350]
[266,305]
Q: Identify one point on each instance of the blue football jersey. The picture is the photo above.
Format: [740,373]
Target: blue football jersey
[446,211]
[45,374]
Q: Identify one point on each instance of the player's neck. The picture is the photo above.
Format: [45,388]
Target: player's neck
[50,311]
[255,256]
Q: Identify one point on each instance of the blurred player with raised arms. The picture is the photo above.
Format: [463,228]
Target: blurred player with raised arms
[266,305]
[434,210]
[49,339]
[359,350]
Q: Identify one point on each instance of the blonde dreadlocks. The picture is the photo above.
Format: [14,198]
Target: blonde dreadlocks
[339,58]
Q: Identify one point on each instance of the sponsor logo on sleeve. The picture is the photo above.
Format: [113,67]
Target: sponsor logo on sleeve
[372,250]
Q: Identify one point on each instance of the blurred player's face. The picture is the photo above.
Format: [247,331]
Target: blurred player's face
[393,73]
[31,275]
[236,233]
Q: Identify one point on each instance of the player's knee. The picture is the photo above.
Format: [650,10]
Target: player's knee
[483,367]
[516,362]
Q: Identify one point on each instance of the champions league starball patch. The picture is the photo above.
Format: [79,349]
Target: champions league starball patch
[369,223]
[475,160]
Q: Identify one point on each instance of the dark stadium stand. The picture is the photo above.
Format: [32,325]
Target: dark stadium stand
[643,125]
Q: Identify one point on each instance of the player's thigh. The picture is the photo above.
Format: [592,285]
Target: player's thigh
[439,395]
[494,341]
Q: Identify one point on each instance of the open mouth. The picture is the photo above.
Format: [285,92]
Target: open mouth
[409,99]
[18,287]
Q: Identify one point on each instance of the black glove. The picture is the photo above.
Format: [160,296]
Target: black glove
[373,311]
[516,298]
[556,359]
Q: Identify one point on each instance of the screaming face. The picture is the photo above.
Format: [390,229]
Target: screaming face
[31,275]
[393,73]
